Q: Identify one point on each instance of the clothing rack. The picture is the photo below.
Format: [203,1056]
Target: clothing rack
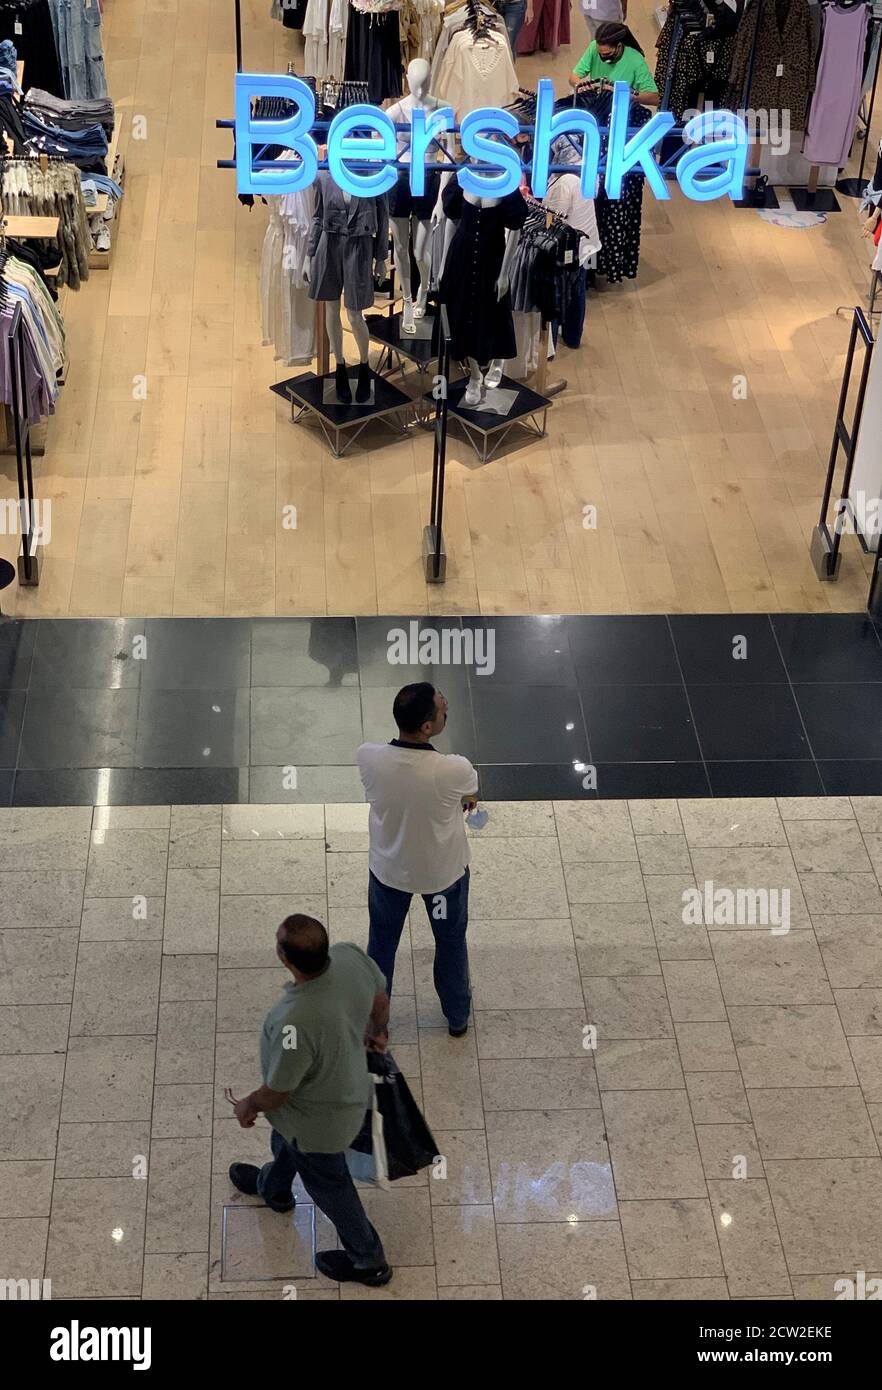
[28,565]
[854,188]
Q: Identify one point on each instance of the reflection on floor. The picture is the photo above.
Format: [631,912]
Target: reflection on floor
[205,710]
[721,1140]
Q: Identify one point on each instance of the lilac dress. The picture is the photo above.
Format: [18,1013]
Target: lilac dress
[833,115]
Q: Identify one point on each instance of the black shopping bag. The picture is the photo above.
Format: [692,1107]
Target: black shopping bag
[408,1139]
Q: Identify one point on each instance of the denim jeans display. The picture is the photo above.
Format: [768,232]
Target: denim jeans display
[77,26]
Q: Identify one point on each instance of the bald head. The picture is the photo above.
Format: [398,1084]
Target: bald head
[302,942]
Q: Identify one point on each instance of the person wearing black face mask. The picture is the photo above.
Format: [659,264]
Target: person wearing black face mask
[616,56]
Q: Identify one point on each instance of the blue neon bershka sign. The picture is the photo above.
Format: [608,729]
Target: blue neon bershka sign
[712,166]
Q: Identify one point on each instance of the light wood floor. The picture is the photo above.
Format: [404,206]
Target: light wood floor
[173,504]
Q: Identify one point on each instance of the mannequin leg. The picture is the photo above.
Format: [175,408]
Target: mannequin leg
[361,334]
[334,326]
[422,252]
[494,373]
[476,381]
[401,252]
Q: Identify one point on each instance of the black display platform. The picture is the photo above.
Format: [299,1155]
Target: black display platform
[421,350]
[480,426]
[822,200]
[339,422]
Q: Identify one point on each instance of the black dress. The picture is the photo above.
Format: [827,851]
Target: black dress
[373,53]
[481,325]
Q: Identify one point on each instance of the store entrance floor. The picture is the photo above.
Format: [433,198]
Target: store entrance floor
[697,418]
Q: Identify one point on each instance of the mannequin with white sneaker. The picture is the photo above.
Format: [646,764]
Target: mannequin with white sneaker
[413,219]
[475,283]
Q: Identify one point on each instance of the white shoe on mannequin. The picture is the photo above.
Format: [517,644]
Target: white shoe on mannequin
[419,308]
[494,374]
[473,392]
[407,317]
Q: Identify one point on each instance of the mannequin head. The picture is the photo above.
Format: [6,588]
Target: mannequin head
[418,78]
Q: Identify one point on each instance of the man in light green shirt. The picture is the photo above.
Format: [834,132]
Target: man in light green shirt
[317,1088]
[616,56]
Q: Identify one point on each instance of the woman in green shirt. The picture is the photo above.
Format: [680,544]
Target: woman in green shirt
[616,56]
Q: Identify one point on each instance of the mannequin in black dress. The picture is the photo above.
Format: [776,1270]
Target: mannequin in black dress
[475,283]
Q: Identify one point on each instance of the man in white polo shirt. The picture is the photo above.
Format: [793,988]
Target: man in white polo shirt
[418,798]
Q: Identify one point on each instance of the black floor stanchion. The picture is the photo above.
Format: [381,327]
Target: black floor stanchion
[434,554]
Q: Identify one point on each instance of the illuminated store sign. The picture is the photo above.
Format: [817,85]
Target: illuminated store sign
[362,146]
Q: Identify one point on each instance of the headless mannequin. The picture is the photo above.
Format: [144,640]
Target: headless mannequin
[479,378]
[360,332]
[413,227]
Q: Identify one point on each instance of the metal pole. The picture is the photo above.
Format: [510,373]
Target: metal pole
[238,4]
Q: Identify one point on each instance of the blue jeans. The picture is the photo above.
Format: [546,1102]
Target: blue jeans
[570,327]
[329,1184]
[513,12]
[448,914]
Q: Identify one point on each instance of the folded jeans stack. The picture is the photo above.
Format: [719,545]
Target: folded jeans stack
[72,113]
[93,186]
[86,148]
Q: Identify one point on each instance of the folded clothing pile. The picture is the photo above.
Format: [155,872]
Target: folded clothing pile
[87,148]
[70,114]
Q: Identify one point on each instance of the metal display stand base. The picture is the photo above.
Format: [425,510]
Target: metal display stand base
[764,198]
[821,200]
[485,429]
[430,546]
[851,188]
[821,551]
[342,424]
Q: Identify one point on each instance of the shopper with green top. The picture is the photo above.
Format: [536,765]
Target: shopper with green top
[616,56]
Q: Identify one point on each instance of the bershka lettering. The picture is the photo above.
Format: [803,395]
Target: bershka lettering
[361,146]
[76,1343]
[448,646]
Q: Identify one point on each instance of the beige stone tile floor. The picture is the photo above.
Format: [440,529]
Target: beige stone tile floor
[720,1140]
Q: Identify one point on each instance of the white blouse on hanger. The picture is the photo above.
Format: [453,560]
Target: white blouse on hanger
[286,311]
[476,73]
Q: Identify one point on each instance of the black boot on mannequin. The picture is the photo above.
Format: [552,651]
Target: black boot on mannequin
[363,385]
[341,381]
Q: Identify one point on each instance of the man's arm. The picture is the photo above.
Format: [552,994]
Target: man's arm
[377,1032]
[264,1098]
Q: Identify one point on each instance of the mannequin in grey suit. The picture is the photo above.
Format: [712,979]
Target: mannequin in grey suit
[348,244]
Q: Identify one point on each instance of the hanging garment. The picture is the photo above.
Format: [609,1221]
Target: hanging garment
[619,220]
[287,313]
[786,44]
[373,53]
[452,24]
[29,191]
[548,29]
[480,323]
[35,44]
[476,72]
[80,47]
[345,241]
[338,27]
[315,39]
[42,335]
[702,63]
[833,113]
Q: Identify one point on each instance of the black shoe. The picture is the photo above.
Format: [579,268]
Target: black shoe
[363,385]
[341,381]
[458,1032]
[336,1264]
[244,1177]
